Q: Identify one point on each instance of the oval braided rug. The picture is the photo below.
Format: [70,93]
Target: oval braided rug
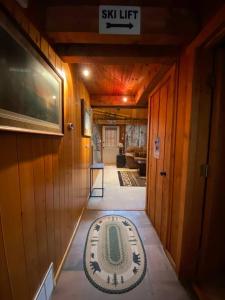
[114,256]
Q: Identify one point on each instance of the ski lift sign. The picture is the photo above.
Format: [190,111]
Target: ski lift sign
[116,19]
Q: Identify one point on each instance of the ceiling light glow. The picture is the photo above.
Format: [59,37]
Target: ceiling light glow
[125,99]
[86,72]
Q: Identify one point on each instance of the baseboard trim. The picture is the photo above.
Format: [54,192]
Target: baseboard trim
[171,260]
[68,247]
[199,292]
[100,209]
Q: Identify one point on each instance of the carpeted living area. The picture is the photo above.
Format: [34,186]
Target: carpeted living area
[131,178]
[117,197]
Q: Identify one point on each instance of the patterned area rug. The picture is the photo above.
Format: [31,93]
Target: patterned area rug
[114,256]
[131,178]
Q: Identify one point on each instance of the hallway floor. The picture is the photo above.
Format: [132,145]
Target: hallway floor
[159,283]
[117,197]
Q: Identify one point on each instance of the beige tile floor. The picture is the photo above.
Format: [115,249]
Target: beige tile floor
[159,283]
[117,197]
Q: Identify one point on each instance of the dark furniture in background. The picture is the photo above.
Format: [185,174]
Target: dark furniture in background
[132,154]
[120,161]
[142,166]
[96,166]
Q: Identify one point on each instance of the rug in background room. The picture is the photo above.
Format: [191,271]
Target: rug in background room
[131,178]
[114,256]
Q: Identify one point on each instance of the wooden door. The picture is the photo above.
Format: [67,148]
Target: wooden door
[211,265]
[160,148]
[110,142]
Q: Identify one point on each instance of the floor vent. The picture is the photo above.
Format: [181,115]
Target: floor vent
[47,286]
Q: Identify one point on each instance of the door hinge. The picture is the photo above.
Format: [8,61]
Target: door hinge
[204,170]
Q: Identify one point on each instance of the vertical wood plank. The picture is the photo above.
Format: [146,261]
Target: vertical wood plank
[56,195]
[160,161]
[28,210]
[168,159]
[49,194]
[40,201]
[155,122]
[5,288]
[62,196]
[11,217]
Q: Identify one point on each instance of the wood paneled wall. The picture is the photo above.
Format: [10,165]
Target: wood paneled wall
[191,136]
[43,188]
[177,164]
[162,104]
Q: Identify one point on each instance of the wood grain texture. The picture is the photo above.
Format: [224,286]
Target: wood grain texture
[213,240]
[162,104]
[157,26]
[201,112]
[5,288]
[43,186]
[116,79]
[41,201]
[154,108]
[191,148]
[11,217]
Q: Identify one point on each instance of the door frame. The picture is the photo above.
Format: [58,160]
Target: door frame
[202,97]
[209,204]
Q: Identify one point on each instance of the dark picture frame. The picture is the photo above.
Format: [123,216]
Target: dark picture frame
[86,119]
[31,89]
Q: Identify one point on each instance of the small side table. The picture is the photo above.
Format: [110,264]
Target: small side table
[96,166]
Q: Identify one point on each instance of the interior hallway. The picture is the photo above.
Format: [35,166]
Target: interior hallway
[176,68]
[117,197]
[159,283]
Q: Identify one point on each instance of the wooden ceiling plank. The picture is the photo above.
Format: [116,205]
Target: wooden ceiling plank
[115,50]
[96,38]
[117,80]
[111,100]
[116,54]
[157,3]
[160,25]
[115,60]
[142,96]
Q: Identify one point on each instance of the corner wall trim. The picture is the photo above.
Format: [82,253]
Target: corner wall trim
[68,247]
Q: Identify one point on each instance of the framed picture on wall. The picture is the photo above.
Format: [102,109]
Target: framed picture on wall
[31,90]
[86,119]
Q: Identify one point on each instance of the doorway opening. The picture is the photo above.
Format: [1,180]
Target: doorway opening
[120,142]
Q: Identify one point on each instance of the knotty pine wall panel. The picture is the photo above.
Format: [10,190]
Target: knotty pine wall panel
[5,289]
[44,184]
[162,104]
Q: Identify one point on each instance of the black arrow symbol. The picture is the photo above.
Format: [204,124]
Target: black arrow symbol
[128,25]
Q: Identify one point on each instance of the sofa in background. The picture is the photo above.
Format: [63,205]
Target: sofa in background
[132,154]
